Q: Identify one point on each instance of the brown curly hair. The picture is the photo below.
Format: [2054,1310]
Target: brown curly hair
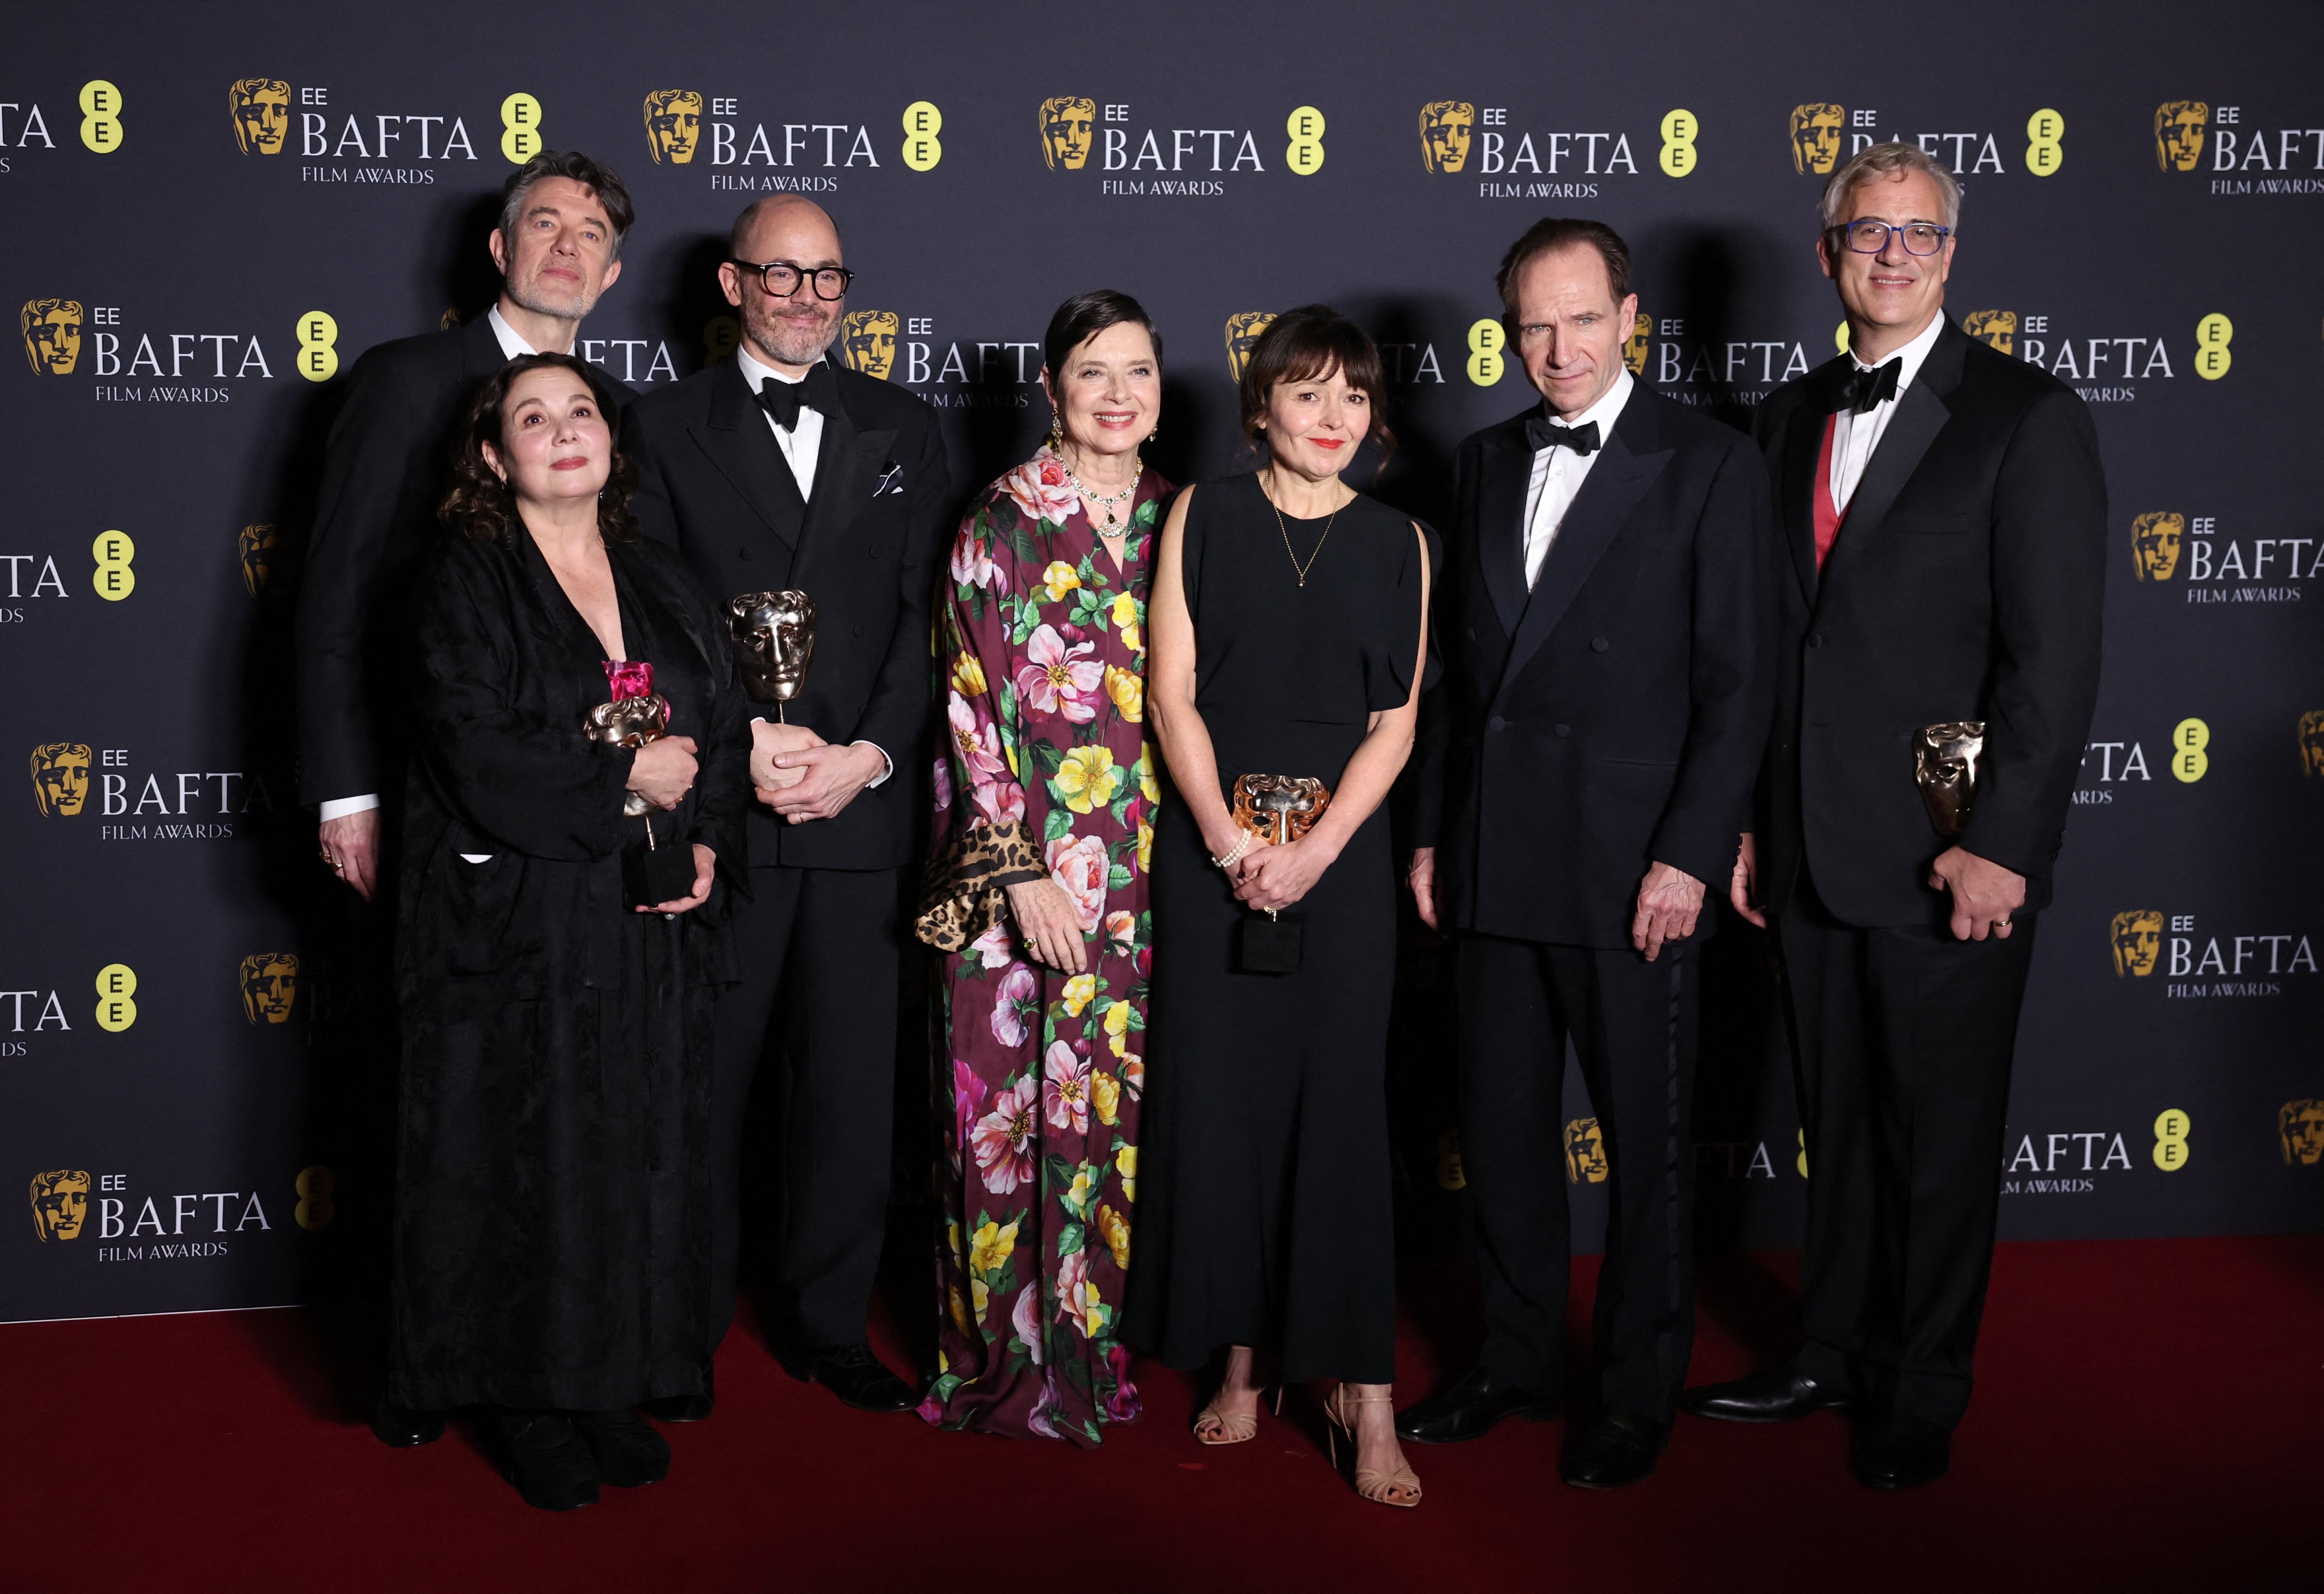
[481,505]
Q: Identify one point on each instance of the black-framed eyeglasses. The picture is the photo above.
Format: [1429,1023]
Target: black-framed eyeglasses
[1871,237]
[781,278]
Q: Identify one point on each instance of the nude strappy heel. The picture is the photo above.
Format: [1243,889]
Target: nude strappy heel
[1400,1487]
[1234,1428]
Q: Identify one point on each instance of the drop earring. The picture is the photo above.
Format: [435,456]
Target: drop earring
[1056,432]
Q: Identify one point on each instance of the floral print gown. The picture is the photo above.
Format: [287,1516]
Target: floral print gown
[1041,643]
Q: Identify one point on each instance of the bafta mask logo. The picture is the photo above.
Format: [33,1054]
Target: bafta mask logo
[2299,1125]
[52,335]
[1585,1152]
[261,107]
[867,341]
[2136,937]
[1450,1174]
[1446,128]
[269,563]
[1996,327]
[270,985]
[2312,743]
[2179,134]
[1243,329]
[2155,544]
[1815,137]
[61,1204]
[1066,131]
[673,126]
[1633,348]
[61,777]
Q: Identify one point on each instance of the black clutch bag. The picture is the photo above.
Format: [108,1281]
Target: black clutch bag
[1269,945]
[652,874]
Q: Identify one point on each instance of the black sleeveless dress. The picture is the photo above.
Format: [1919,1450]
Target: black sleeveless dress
[1264,1212]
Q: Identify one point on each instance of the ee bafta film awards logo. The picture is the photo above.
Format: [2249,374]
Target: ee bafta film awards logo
[1243,329]
[2155,541]
[61,1204]
[269,560]
[867,341]
[270,986]
[2312,743]
[1815,130]
[1995,328]
[2299,1128]
[1068,127]
[1448,128]
[2179,134]
[673,126]
[260,109]
[1633,348]
[52,328]
[60,778]
[2136,939]
[1585,1152]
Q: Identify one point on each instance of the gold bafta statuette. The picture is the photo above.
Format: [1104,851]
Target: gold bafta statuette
[774,643]
[633,723]
[1944,763]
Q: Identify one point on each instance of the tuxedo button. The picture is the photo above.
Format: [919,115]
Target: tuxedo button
[743,554]
[1497,724]
[1562,730]
[1472,634]
[859,630]
[1598,644]
[1816,640]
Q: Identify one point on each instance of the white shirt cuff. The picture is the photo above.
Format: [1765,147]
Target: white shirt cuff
[884,759]
[340,807]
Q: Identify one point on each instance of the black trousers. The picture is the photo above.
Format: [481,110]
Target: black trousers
[1634,1026]
[817,1004]
[1903,1040]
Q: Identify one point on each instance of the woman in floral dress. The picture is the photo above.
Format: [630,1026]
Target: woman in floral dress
[1037,900]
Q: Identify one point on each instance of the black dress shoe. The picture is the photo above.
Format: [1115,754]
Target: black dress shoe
[628,1452]
[1782,1396]
[1616,1451]
[685,1408]
[853,1373]
[1469,1409]
[404,1428]
[1903,1452]
[546,1457]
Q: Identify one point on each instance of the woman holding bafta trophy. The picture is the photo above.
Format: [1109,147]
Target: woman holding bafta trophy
[1036,899]
[579,786]
[1290,621]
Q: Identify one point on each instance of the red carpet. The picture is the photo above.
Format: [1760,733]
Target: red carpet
[2150,1415]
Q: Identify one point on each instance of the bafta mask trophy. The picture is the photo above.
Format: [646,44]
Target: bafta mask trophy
[774,643]
[1944,762]
[636,715]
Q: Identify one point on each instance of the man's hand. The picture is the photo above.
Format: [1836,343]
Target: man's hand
[351,842]
[1743,889]
[1669,899]
[830,778]
[1422,877]
[1985,894]
[771,742]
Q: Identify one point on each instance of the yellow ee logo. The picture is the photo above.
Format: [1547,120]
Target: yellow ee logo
[1679,129]
[2213,333]
[922,122]
[117,983]
[1487,340]
[2189,761]
[100,115]
[319,360]
[720,333]
[113,580]
[2045,149]
[1306,155]
[1840,337]
[519,128]
[2171,1140]
[315,1186]
[1803,1154]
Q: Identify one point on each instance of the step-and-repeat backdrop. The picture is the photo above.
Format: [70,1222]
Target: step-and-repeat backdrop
[211,212]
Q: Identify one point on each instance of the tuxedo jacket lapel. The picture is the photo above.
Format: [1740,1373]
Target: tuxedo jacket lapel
[739,443]
[1920,416]
[1803,447]
[1505,471]
[847,462]
[479,350]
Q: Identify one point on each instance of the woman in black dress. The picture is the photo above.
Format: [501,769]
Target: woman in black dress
[551,1261]
[1288,623]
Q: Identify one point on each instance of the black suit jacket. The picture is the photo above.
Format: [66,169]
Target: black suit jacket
[385,470]
[1968,583]
[1613,716]
[866,548]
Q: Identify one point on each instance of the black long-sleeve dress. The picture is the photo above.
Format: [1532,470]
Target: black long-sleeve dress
[552,1241]
[1263,1216]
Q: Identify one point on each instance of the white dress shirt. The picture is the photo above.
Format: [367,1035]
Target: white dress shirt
[803,442]
[1558,473]
[1854,436]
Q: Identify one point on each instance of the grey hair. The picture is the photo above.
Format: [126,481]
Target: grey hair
[1885,160]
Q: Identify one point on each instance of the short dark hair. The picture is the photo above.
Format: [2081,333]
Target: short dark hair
[1084,316]
[480,505]
[1310,342]
[1552,232]
[577,167]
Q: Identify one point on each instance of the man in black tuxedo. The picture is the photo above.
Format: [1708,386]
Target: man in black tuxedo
[558,246]
[1605,616]
[1946,514]
[774,470]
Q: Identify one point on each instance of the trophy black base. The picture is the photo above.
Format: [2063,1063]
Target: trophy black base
[651,875]
[1268,946]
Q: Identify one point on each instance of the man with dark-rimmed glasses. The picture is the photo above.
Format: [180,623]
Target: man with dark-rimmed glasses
[779,469]
[1945,514]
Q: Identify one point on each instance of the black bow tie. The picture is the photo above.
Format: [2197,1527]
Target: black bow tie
[1860,390]
[781,400]
[1544,433]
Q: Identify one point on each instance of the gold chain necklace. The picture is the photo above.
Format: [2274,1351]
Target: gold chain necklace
[1286,530]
